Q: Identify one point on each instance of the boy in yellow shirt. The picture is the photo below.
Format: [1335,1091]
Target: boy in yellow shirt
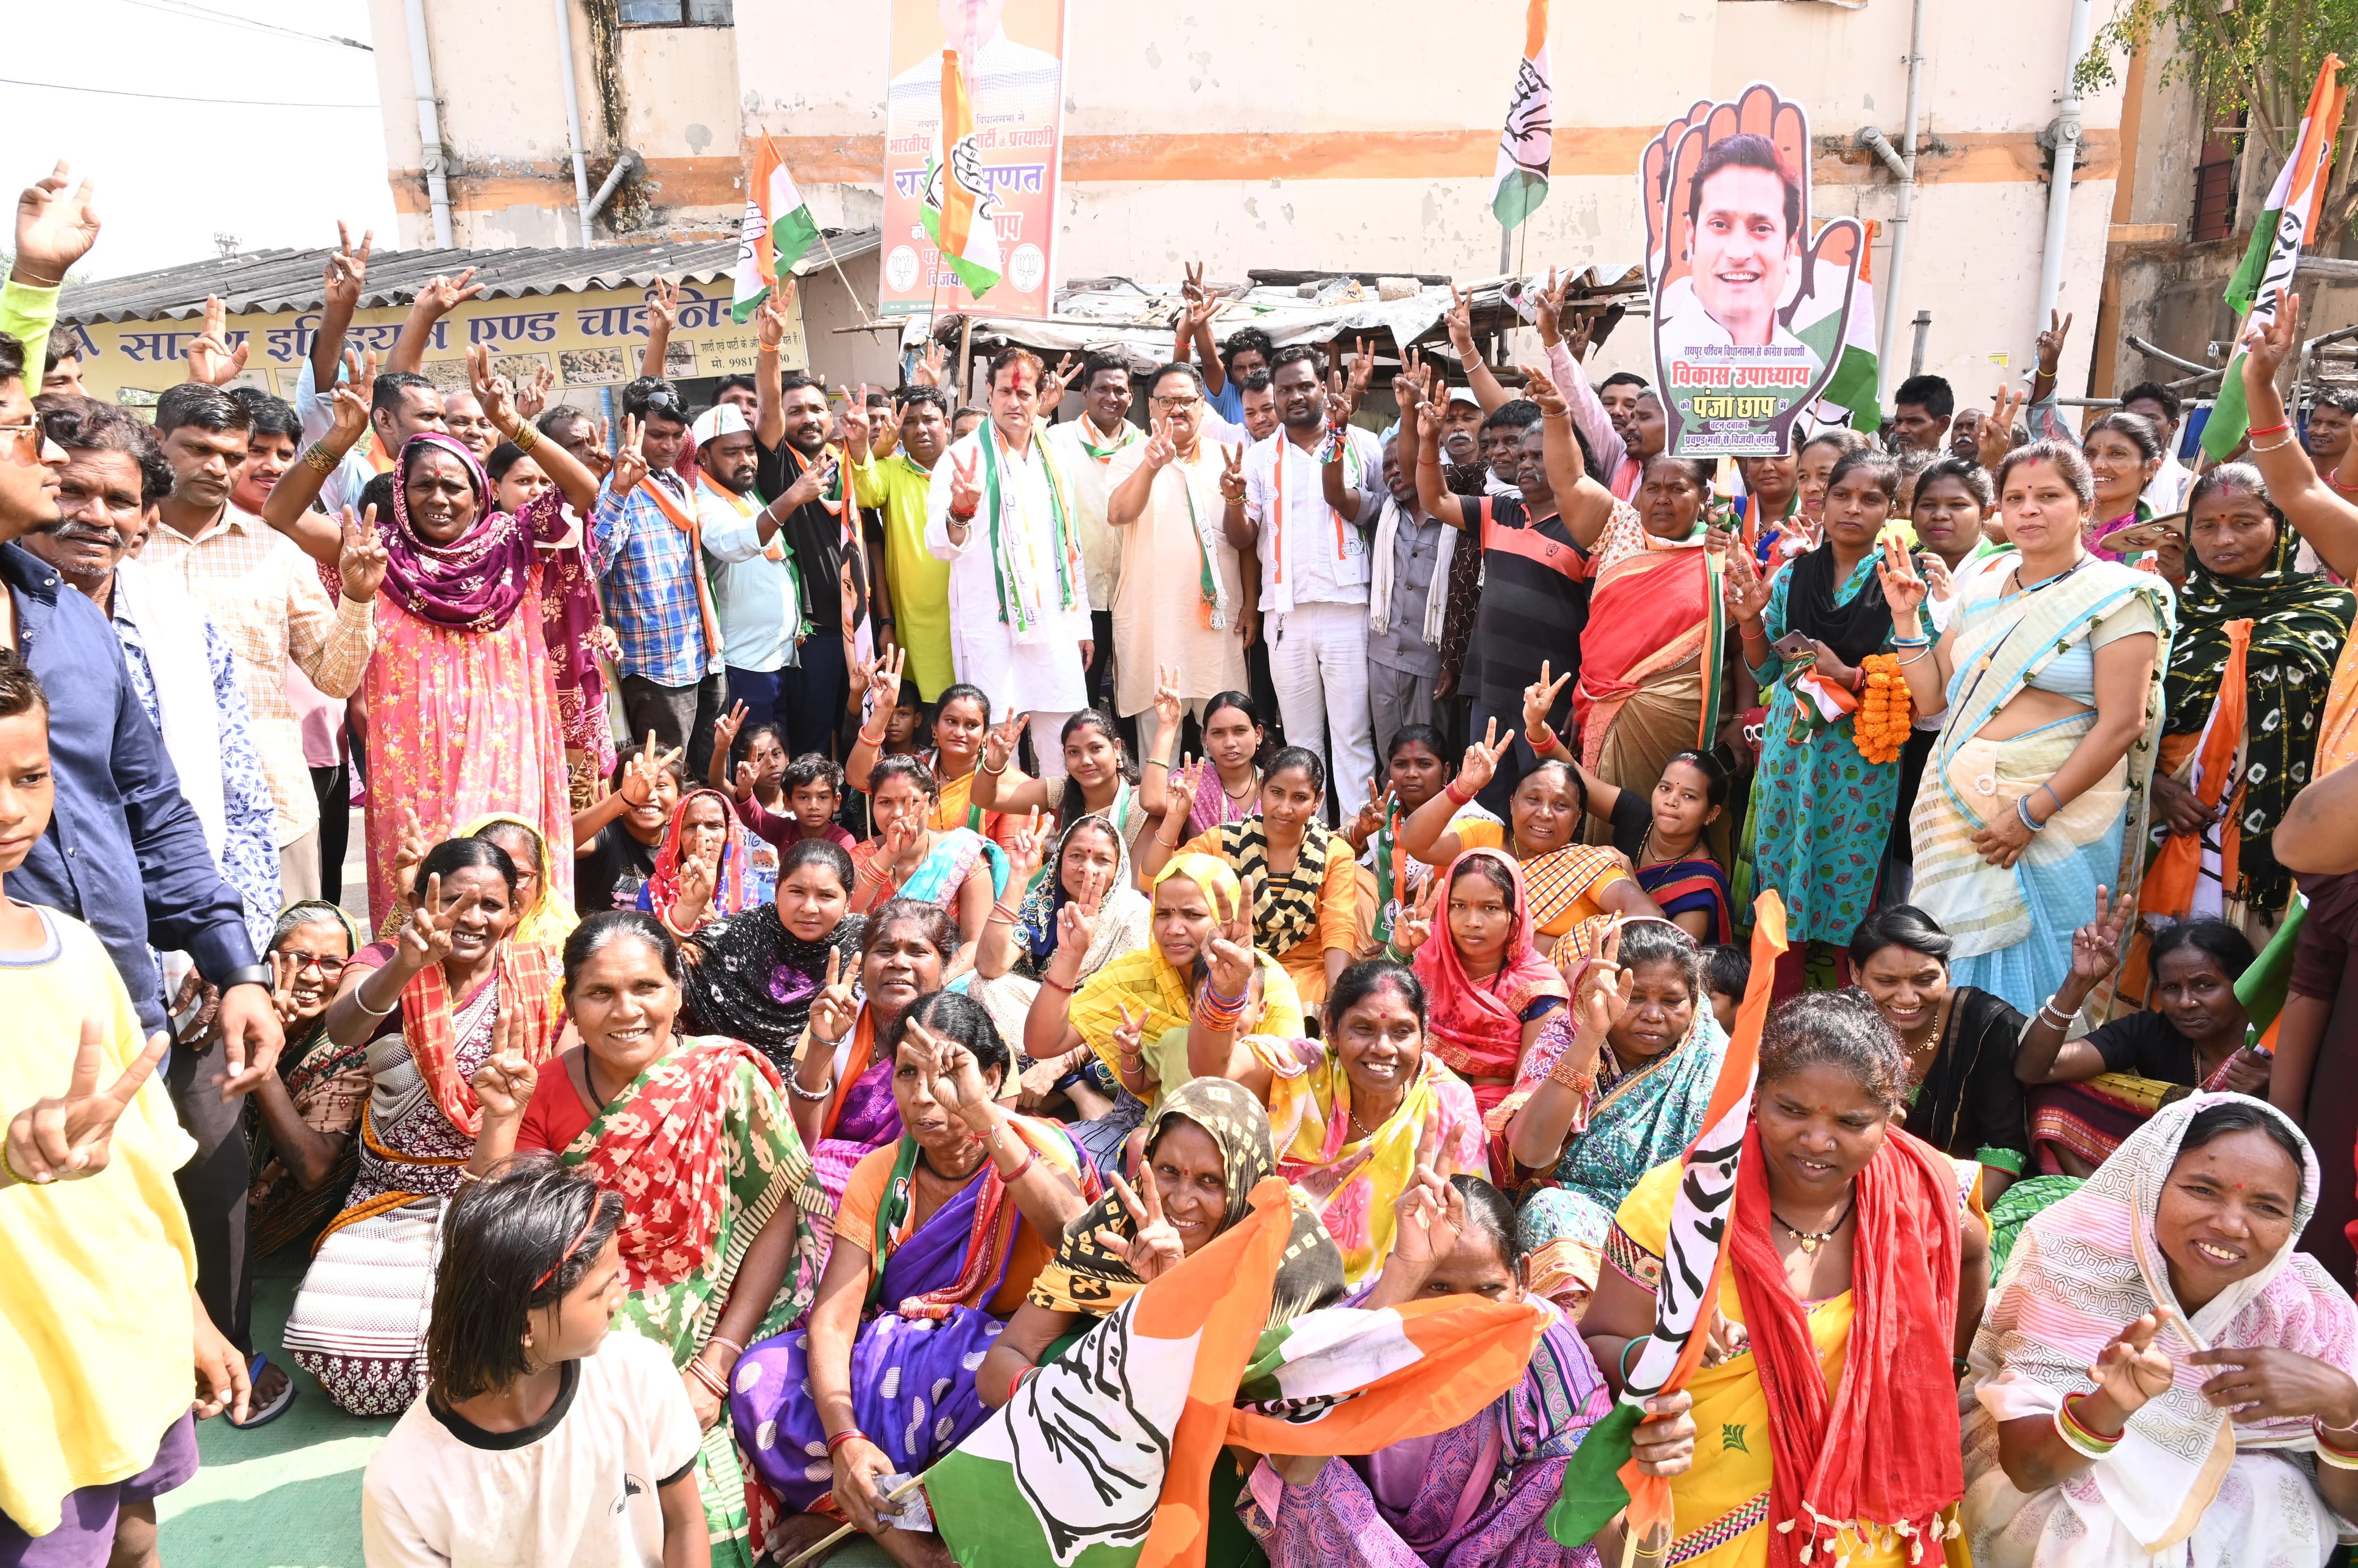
[92,1238]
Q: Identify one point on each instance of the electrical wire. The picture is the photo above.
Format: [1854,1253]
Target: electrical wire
[195,13]
[179,97]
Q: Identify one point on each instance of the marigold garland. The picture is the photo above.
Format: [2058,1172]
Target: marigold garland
[1886,716]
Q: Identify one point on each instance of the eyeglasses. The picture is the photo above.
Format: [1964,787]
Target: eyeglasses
[330,969]
[1176,403]
[26,438]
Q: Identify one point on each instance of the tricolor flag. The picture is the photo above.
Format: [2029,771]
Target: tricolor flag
[1848,340]
[2275,250]
[1602,1479]
[1527,145]
[958,203]
[2260,991]
[1104,1456]
[778,229]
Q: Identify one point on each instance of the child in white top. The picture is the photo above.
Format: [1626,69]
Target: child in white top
[541,1440]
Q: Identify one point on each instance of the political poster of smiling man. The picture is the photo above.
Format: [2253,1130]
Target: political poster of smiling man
[1750,298]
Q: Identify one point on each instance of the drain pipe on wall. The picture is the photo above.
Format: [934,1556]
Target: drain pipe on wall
[573,119]
[1902,161]
[429,124]
[2067,157]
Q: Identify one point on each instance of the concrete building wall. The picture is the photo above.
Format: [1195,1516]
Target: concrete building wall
[1252,135]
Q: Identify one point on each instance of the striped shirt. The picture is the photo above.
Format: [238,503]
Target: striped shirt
[1534,601]
[647,569]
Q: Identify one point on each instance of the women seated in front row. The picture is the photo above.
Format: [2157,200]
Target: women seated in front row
[938,1241]
[2222,1424]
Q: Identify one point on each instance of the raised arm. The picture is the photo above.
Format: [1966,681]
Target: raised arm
[1427,834]
[1924,664]
[1194,333]
[1536,1133]
[2045,1057]
[292,498]
[574,481]
[1229,966]
[662,315]
[769,373]
[2326,520]
[1565,374]
[884,679]
[1410,388]
[1459,320]
[1127,503]
[339,285]
[436,300]
[1585,505]
[1236,519]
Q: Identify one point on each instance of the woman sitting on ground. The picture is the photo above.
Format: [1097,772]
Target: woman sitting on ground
[703,869]
[1089,873]
[938,1238]
[696,1136]
[2091,1092]
[304,1153]
[961,718]
[1390,879]
[1354,1114]
[1964,1098]
[427,1006]
[1140,1056]
[955,867]
[753,976]
[1304,889]
[1099,780]
[1481,1491]
[2199,1456]
[1568,881]
[1209,1147]
[1856,1270]
[1234,739]
[1489,992]
[1616,1083]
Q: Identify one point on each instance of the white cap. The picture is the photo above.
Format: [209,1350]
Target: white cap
[720,419]
[1464,395]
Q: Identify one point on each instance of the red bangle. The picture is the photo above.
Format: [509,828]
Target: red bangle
[1455,798]
[1031,1157]
[2271,430]
[846,1435]
[1053,983]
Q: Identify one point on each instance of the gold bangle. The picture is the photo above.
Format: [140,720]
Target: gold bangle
[526,436]
[318,459]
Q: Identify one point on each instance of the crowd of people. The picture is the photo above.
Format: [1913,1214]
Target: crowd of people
[858,887]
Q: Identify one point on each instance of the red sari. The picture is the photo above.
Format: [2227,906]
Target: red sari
[1475,1027]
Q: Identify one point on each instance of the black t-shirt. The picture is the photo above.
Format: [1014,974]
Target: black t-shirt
[1534,603]
[2144,1044]
[610,875]
[814,535]
[1633,814]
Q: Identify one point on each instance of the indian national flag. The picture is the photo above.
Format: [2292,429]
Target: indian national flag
[1848,336]
[1103,1458]
[2275,250]
[1602,1479]
[2262,988]
[778,229]
[1527,145]
[957,199]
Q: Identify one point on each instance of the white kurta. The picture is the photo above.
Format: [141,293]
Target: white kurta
[1041,673]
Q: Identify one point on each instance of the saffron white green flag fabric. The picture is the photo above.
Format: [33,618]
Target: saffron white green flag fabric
[1527,145]
[958,206]
[2274,251]
[778,230]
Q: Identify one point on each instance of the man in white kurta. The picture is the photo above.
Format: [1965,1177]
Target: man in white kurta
[1019,602]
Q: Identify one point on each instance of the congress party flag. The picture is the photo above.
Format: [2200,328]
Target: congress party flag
[957,199]
[1527,145]
[778,229]
[1603,1478]
[1103,1458]
[2275,250]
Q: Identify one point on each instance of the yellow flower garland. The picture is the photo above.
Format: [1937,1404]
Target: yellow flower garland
[1886,716]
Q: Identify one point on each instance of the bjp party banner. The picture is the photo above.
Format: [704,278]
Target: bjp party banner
[973,145]
[1757,311]
[590,339]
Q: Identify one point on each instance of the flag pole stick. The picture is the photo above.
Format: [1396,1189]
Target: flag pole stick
[865,318]
[812,1555]
[1506,248]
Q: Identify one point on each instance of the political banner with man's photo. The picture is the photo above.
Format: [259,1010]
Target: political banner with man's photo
[1758,311]
[974,133]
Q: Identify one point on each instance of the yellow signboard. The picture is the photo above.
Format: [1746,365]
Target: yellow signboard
[588,339]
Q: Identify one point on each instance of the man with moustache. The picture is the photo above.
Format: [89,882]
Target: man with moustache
[757,595]
[266,597]
[1314,575]
[996,510]
[1407,592]
[916,586]
[1085,450]
[815,519]
[1179,595]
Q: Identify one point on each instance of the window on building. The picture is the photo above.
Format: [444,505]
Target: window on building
[677,12]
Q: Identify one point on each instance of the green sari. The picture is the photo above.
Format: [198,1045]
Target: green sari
[702,1149]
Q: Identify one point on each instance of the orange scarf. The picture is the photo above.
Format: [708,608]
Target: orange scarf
[521,971]
[689,523]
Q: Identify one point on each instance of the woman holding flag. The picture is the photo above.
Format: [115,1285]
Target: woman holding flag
[1853,1273]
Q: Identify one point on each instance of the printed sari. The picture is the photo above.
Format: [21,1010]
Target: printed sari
[2045,637]
[923,1335]
[1354,1175]
[956,853]
[567,589]
[1475,1496]
[1692,887]
[329,1086]
[702,1148]
[863,1116]
[1650,655]
[1635,1118]
[1297,916]
[1122,923]
[359,1320]
[1475,1027]
[732,890]
[2187,1482]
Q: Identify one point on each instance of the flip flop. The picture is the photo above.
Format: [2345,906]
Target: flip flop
[264,1415]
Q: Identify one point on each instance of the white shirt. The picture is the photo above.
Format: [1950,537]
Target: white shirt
[576,1487]
[1308,554]
[754,598]
[1069,443]
[2166,493]
[1037,667]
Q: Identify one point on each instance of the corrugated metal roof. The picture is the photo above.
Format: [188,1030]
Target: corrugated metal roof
[271,281]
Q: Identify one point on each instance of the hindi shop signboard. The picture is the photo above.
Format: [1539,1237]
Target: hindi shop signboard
[586,339]
[1013,52]
[1750,299]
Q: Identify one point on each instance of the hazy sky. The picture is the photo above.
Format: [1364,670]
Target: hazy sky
[171,174]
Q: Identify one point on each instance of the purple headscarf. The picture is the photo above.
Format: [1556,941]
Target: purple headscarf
[475,582]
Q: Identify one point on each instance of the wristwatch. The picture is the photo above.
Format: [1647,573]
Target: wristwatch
[251,975]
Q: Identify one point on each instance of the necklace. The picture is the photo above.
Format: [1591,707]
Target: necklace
[1812,1240]
[1648,854]
[2022,587]
[1253,788]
